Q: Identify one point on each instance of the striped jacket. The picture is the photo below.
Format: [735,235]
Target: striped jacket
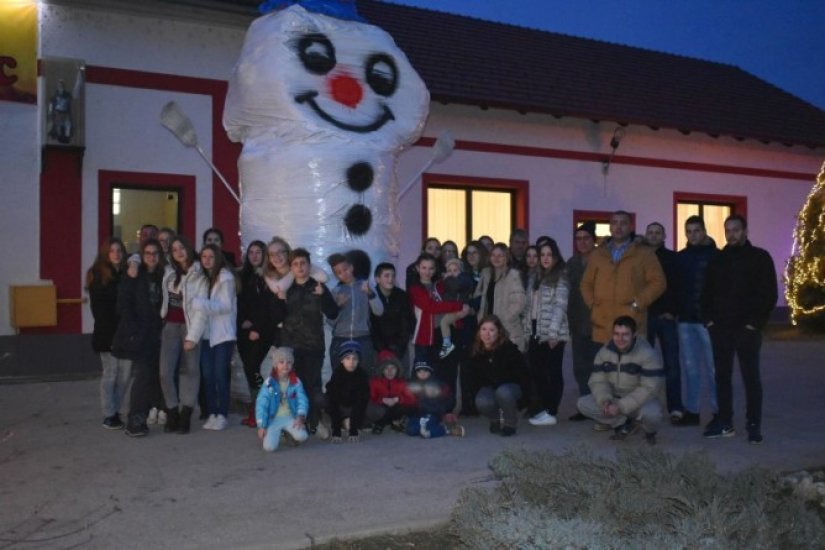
[631,378]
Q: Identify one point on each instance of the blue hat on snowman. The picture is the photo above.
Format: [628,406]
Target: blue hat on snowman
[342,9]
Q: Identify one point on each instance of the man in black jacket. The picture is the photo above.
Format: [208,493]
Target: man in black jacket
[738,297]
[661,320]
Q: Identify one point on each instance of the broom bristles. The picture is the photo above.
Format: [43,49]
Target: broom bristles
[176,121]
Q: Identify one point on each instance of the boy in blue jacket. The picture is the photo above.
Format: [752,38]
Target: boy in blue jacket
[282,403]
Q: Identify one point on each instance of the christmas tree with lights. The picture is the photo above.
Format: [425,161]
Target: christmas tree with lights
[805,272]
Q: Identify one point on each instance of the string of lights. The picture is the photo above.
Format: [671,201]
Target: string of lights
[805,269]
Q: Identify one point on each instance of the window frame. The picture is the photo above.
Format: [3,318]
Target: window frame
[183,185]
[519,190]
[737,203]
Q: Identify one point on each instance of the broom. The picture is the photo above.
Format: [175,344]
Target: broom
[442,148]
[175,120]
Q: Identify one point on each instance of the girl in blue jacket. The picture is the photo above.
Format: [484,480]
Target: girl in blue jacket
[282,403]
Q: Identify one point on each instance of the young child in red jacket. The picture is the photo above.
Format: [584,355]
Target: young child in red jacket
[390,400]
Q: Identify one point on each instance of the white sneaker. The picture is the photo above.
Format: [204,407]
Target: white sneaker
[220,423]
[422,422]
[345,425]
[161,417]
[543,418]
[153,416]
[210,422]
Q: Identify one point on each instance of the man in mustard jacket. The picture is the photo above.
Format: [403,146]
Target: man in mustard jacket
[622,278]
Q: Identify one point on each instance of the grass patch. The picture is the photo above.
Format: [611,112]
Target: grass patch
[645,498]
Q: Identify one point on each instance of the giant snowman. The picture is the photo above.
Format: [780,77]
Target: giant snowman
[323,104]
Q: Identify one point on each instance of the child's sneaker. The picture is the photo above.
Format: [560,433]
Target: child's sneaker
[425,433]
[153,416]
[446,350]
[625,430]
[161,417]
[321,431]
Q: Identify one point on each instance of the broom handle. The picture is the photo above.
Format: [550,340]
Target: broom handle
[214,169]
[415,179]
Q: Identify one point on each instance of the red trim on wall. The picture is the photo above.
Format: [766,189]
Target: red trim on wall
[520,189]
[224,153]
[543,152]
[184,185]
[61,209]
[738,203]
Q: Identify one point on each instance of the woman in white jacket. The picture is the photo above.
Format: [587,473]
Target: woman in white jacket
[220,307]
[548,330]
[182,330]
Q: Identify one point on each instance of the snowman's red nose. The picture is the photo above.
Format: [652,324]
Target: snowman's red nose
[346,90]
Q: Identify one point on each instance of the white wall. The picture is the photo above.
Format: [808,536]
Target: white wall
[20,203]
[559,186]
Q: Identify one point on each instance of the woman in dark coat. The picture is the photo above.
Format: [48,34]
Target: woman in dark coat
[138,334]
[499,375]
[102,281]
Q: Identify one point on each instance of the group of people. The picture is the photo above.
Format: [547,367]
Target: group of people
[482,331]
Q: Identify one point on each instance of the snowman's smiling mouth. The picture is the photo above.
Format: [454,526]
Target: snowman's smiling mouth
[385,116]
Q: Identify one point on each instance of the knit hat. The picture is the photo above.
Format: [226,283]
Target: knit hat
[350,346]
[277,354]
[588,227]
[422,365]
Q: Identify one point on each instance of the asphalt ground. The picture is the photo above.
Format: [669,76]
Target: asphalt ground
[65,482]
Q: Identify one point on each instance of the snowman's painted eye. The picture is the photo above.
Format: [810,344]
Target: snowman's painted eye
[382,74]
[317,53]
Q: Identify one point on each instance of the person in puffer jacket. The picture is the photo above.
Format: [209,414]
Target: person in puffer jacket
[627,376]
[282,403]
[390,399]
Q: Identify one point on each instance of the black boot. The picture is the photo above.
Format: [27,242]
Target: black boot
[172,418]
[183,420]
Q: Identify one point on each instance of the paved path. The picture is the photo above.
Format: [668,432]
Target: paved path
[65,482]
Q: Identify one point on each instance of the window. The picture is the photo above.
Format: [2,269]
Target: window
[127,200]
[134,207]
[463,209]
[602,220]
[712,208]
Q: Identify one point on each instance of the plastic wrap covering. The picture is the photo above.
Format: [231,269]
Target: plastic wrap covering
[323,106]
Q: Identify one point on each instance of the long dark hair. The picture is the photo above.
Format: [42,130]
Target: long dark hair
[482,256]
[551,276]
[180,270]
[478,346]
[247,270]
[102,269]
[212,275]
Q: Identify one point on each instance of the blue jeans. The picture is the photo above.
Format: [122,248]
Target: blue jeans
[215,366]
[279,424]
[114,384]
[432,422]
[665,331]
[696,355]
[505,398]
